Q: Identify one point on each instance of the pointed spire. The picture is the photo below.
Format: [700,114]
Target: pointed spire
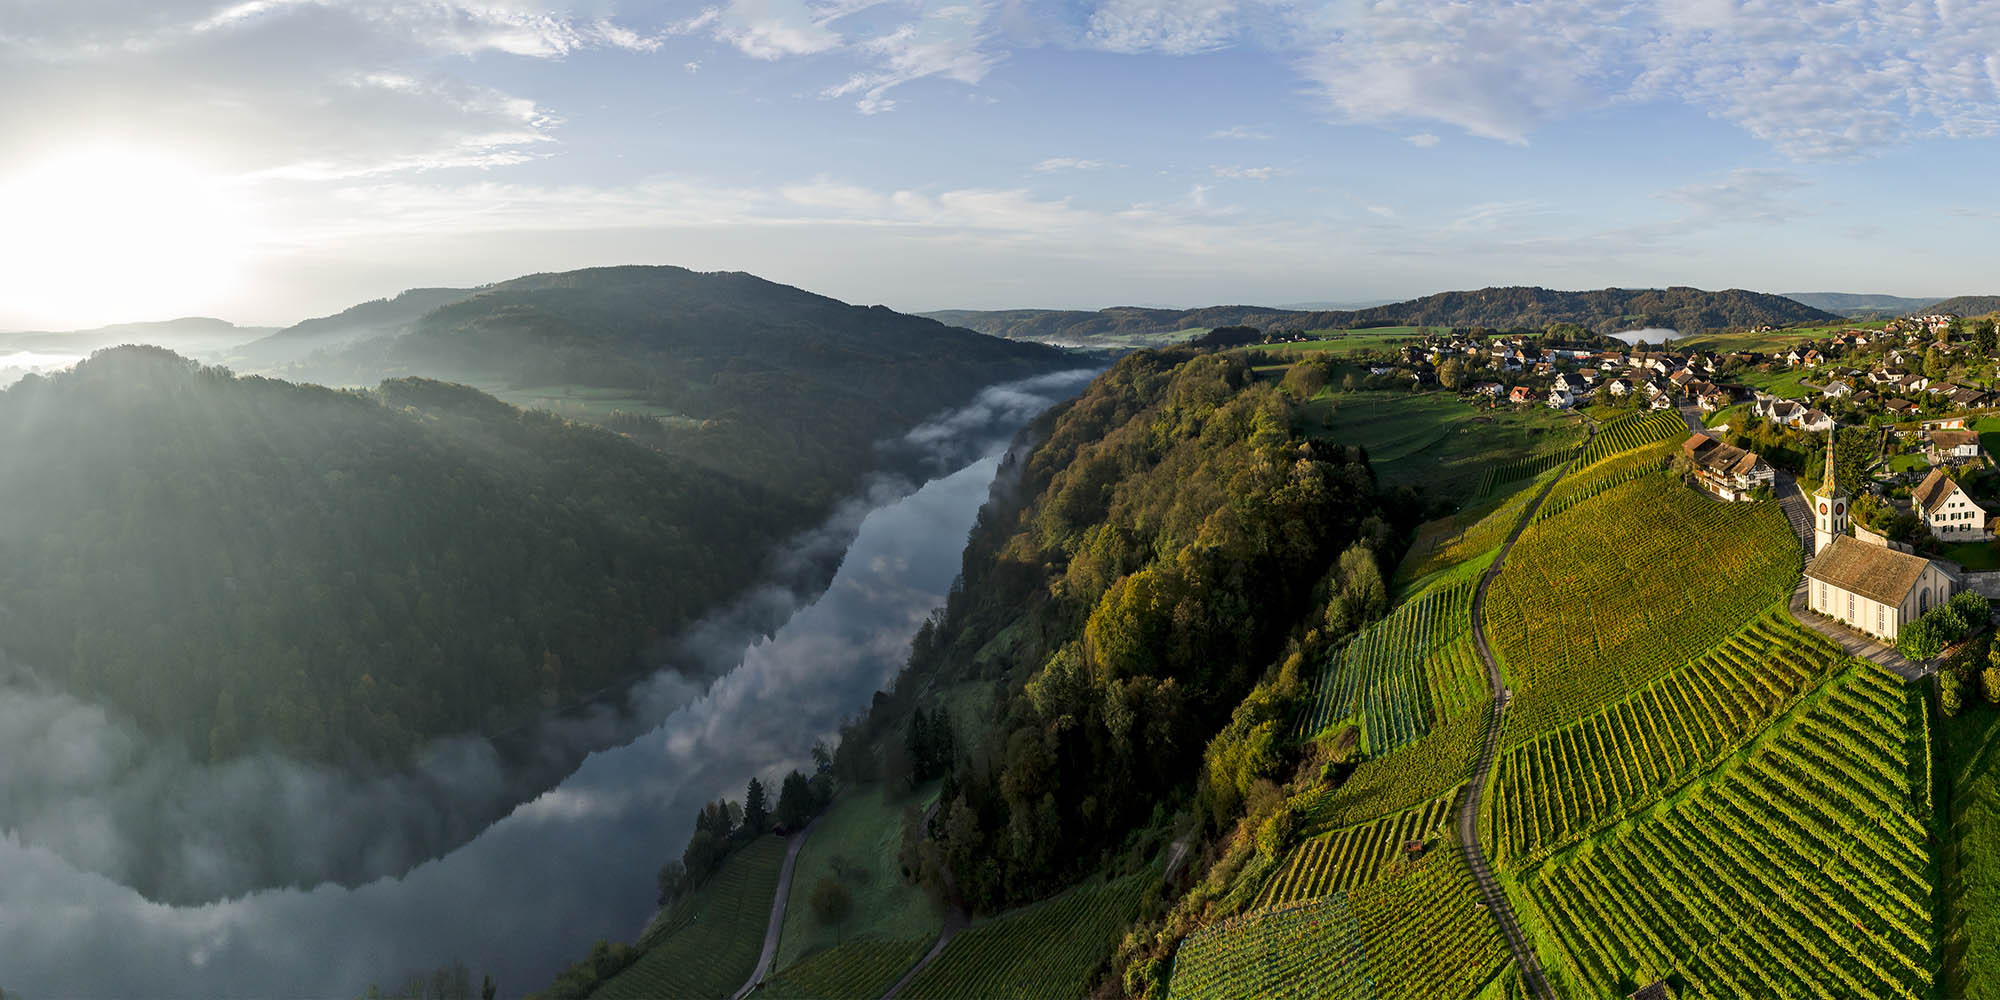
[1829,486]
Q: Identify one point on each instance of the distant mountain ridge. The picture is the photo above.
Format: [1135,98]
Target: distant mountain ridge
[1966,305]
[1692,311]
[1860,304]
[189,334]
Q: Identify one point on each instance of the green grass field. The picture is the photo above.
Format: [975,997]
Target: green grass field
[1346,341]
[1625,586]
[1436,441]
[707,944]
[1787,383]
[1731,415]
[1971,870]
[855,843]
[1974,556]
[1048,949]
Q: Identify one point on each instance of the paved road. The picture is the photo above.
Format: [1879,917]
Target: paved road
[777,923]
[1468,803]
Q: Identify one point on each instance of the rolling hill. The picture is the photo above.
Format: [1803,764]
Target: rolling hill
[1692,311]
[1966,305]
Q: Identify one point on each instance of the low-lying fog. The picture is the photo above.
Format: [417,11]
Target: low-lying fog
[84,799]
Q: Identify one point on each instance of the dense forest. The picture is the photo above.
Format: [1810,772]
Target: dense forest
[239,562]
[1169,542]
[1692,311]
[1965,305]
[768,382]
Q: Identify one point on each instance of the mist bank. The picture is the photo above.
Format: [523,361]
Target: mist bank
[521,896]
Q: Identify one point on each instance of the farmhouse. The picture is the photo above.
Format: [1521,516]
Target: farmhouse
[1953,446]
[1725,470]
[1945,507]
[1870,587]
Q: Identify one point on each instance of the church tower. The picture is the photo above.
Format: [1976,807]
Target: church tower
[1829,506]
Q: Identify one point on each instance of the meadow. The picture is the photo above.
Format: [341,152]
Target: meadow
[1437,442]
[854,843]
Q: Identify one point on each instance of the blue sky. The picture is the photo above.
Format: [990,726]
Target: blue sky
[268,160]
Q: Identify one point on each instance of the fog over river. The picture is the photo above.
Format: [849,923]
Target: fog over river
[530,892]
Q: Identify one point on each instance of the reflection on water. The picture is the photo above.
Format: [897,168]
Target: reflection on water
[532,891]
[1653,335]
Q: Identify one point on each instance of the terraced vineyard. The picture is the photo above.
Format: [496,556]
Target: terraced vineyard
[1566,782]
[1419,934]
[1049,949]
[714,955]
[1628,585]
[1582,484]
[1448,541]
[858,969]
[1402,673]
[1499,475]
[1342,860]
[1802,870]
[1633,431]
[1417,773]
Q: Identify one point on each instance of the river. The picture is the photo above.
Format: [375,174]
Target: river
[1654,335]
[532,891]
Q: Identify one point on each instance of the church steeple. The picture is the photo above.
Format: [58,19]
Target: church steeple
[1829,505]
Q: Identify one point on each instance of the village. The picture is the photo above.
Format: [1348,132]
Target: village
[1911,398]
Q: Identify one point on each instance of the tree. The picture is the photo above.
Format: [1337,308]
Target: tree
[1984,338]
[1350,382]
[830,900]
[1989,684]
[1935,365]
[672,876]
[756,812]
[1948,693]
[795,802]
[1919,641]
[1451,374]
[1305,379]
[487,988]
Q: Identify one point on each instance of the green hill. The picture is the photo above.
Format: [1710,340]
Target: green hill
[1965,305]
[238,562]
[1692,311]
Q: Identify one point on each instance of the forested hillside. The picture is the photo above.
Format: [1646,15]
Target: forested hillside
[238,562]
[1966,305]
[1692,311]
[756,379]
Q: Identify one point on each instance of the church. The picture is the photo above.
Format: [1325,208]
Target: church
[1866,586]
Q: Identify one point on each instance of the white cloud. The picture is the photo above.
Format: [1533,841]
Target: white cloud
[947,40]
[1421,140]
[772,29]
[1743,195]
[1247,173]
[1055,163]
[1240,132]
[1173,27]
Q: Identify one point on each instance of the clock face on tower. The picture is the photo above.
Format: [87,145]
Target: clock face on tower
[1822,508]
[1839,509]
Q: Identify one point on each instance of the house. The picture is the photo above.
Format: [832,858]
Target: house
[1837,389]
[1561,399]
[1521,394]
[1967,398]
[1715,400]
[1952,446]
[1570,384]
[1899,407]
[1814,421]
[1725,470]
[1944,424]
[1488,389]
[1618,387]
[1662,401]
[1913,382]
[1947,509]
[1778,410]
[1872,588]
[1811,359]
[1794,356]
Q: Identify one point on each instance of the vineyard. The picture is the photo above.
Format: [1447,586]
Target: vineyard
[1049,949]
[1340,861]
[1422,771]
[1616,471]
[1566,782]
[1633,431]
[1419,934]
[1449,541]
[857,969]
[1626,586]
[1503,473]
[1404,672]
[713,955]
[1805,870]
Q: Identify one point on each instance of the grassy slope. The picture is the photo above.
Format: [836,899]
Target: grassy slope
[1437,441]
[1047,949]
[1972,855]
[707,945]
[855,842]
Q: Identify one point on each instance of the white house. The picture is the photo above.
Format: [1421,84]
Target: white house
[1560,399]
[1814,421]
[1837,389]
[1726,470]
[1947,509]
[1953,446]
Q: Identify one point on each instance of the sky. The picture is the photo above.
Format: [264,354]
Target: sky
[264,161]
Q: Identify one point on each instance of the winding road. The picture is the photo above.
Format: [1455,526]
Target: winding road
[777,923]
[1490,892]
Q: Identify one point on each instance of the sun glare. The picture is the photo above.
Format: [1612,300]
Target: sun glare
[115,234]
